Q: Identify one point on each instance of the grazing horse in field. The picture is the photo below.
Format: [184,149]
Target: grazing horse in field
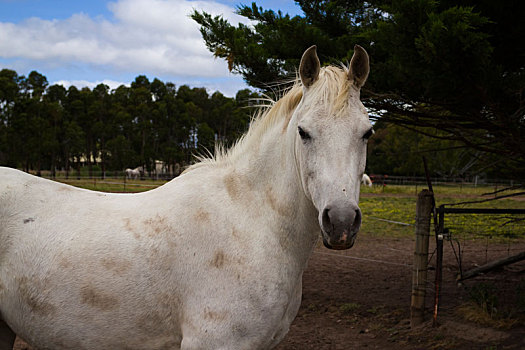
[133,173]
[212,259]
[365,180]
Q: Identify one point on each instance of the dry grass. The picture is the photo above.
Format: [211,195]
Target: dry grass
[475,313]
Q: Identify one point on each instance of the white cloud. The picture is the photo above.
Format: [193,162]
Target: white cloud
[79,84]
[228,87]
[154,37]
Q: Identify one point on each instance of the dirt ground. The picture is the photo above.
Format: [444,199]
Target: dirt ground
[360,298]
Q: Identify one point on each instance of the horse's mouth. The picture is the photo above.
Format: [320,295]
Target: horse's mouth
[345,243]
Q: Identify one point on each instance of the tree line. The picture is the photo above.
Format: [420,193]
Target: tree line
[46,126]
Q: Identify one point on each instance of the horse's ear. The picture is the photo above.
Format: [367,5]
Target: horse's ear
[310,66]
[359,66]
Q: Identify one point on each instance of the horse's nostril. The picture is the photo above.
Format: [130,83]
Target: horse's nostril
[357,219]
[326,220]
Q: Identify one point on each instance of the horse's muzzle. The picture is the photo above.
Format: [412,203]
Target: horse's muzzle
[339,227]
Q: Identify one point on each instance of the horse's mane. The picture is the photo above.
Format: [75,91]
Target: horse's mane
[333,85]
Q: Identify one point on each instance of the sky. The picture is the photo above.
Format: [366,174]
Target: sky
[84,43]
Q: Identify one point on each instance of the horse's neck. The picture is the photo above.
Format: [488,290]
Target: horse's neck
[270,168]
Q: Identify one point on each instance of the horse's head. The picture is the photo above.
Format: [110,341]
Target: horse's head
[332,128]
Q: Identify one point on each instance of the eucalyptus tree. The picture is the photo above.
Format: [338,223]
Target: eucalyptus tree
[54,101]
[103,127]
[9,95]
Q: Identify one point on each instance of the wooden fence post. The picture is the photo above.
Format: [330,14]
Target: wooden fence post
[419,272]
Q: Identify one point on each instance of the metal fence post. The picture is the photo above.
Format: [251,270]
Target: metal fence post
[419,274]
[439,262]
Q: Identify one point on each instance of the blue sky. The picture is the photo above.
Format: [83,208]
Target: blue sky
[84,43]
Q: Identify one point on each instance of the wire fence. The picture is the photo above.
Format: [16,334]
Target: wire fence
[477,245]
[378,179]
[84,174]
[385,180]
[471,239]
[113,185]
[482,235]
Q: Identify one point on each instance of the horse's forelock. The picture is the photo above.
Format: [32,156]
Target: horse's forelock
[332,89]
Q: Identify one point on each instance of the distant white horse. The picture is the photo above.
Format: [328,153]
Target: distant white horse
[211,260]
[365,180]
[133,173]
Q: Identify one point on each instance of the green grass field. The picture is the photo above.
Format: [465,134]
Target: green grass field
[397,203]
[114,185]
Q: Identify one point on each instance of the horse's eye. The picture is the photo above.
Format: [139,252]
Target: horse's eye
[304,135]
[369,133]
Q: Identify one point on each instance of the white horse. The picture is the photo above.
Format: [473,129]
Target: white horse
[133,173]
[365,180]
[212,259]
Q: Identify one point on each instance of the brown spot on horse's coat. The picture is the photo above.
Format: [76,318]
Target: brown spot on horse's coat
[235,233]
[219,259]
[117,266]
[231,182]
[284,240]
[98,299]
[129,227]
[28,220]
[64,262]
[157,226]
[31,293]
[158,232]
[214,315]
[239,188]
[280,208]
[201,215]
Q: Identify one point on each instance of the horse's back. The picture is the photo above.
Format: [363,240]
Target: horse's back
[16,196]
[16,185]
[12,180]
[24,198]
